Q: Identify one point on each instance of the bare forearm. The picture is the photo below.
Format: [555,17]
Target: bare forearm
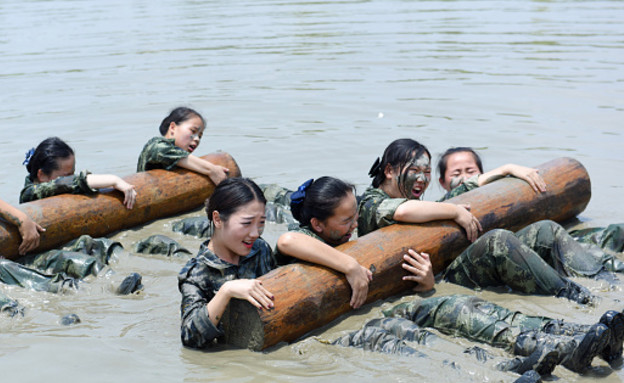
[12,214]
[218,304]
[311,250]
[197,164]
[99,181]
[424,211]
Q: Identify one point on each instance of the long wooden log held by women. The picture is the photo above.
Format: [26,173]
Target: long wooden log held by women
[160,193]
[308,296]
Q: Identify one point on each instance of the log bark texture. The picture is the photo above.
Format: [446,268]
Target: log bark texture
[309,296]
[160,193]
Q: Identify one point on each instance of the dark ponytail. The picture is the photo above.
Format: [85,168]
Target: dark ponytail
[46,156]
[178,116]
[398,154]
[230,195]
[443,161]
[318,199]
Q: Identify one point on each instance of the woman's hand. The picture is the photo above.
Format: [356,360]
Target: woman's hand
[129,192]
[218,173]
[529,175]
[358,277]
[29,230]
[468,221]
[250,290]
[419,265]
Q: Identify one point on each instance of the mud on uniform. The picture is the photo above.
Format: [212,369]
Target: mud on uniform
[160,153]
[610,238]
[534,260]
[76,184]
[202,277]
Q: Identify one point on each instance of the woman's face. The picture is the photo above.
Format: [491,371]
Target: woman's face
[66,167]
[237,235]
[337,229]
[459,167]
[187,134]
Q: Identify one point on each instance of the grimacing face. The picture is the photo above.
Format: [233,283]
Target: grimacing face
[415,177]
[459,167]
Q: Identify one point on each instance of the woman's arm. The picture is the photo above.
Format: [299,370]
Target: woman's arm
[413,211]
[250,290]
[216,173]
[529,175]
[419,265]
[29,229]
[98,181]
[312,250]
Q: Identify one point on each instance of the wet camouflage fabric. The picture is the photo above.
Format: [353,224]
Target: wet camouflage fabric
[62,185]
[161,244]
[13,273]
[160,153]
[376,210]
[79,258]
[197,226]
[283,259]
[610,238]
[202,277]
[130,284]
[10,306]
[278,204]
[466,186]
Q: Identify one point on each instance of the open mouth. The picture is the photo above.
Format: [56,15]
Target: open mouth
[191,148]
[248,244]
[417,192]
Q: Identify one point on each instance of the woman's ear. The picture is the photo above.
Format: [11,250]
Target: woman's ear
[389,172]
[171,130]
[216,220]
[41,177]
[316,225]
[442,183]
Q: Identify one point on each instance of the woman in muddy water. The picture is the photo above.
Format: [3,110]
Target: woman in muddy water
[498,258]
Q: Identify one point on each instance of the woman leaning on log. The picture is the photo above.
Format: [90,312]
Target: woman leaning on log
[461,170]
[498,258]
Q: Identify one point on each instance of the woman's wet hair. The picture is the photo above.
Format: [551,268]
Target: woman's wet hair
[318,199]
[398,154]
[230,195]
[443,161]
[178,116]
[46,156]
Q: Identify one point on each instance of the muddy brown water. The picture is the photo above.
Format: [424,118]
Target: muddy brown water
[294,90]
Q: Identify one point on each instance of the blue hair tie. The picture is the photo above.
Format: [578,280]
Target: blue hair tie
[298,196]
[29,155]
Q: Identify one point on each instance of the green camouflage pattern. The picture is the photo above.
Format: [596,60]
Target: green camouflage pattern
[202,277]
[62,185]
[466,186]
[13,273]
[78,259]
[161,244]
[609,238]
[278,204]
[376,210]
[196,226]
[160,153]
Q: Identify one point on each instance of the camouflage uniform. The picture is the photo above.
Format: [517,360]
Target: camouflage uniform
[70,184]
[278,204]
[466,186]
[160,244]
[200,280]
[13,273]
[534,260]
[160,153]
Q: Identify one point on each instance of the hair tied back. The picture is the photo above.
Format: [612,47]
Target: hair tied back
[298,196]
[375,168]
[29,155]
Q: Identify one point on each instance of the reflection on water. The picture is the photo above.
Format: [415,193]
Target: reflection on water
[295,90]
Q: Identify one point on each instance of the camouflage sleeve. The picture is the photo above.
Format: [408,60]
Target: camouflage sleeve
[70,184]
[160,153]
[466,186]
[376,210]
[197,330]
[384,215]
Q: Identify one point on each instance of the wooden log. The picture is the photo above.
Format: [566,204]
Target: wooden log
[309,296]
[160,193]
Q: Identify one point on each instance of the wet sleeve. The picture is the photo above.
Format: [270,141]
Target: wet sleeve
[466,186]
[160,154]
[384,214]
[62,185]
[197,330]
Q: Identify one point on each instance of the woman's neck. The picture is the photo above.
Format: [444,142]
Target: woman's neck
[222,252]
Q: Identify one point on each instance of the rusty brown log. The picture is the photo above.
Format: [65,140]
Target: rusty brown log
[308,296]
[160,193]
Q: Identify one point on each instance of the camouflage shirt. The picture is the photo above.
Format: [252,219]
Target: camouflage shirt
[283,259]
[376,210]
[69,184]
[200,280]
[466,186]
[160,153]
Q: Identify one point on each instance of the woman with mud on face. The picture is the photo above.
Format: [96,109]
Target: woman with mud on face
[460,170]
[498,258]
